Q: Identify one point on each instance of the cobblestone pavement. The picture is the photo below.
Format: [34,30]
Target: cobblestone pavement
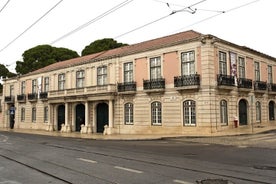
[262,140]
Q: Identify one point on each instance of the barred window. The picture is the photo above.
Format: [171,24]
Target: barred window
[129,114]
[223,112]
[156,113]
[189,108]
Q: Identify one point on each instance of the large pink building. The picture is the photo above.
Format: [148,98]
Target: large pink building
[186,82]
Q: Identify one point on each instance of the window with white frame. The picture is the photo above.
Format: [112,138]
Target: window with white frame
[241,67]
[102,75]
[11,90]
[46,116]
[34,86]
[189,111]
[128,72]
[23,87]
[188,63]
[61,81]
[155,68]
[46,84]
[269,74]
[258,111]
[80,79]
[222,63]
[34,114]
[257,71]
[22,114]
[156,113]
[223,112]
[129,114]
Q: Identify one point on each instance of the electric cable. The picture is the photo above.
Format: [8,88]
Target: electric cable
[31,26]
[5,6]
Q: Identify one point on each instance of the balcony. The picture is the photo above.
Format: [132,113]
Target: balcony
[225,81]
[108,89]
[271,88]
[187,82]
[32,97]
[260,86]
[126,87]
[43,95]
[154,85]
[21,98]
[244,84]
[9,99]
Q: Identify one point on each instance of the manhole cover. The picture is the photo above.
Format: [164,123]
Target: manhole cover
[214,181]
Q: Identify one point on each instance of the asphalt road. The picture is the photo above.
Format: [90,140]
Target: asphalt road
[37,159]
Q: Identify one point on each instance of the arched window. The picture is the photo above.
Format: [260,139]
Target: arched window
[258,111]
[189,112]
[223,112]
[156,113]
[271,108]
[129,114]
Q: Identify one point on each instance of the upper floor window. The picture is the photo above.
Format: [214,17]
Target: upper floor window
[188,63]
[155,68]
[156,113]
[241,67]
[128,72]
[11,90]
[23,87]
[222,63]
[128,113]
[46,84]
[61,81]
[223,112]
[257,71]
[80,79]
[34,86]
[269,74]
[102,75]
[189,108]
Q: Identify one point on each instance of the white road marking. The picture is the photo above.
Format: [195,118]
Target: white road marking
[87,160]
[182,182]
[128,169]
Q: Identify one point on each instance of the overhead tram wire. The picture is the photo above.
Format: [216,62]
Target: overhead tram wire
[31,26]
[161,18]
[219,13]
[5,6]
[93,20]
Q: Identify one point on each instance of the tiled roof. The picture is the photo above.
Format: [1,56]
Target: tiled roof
[123,51]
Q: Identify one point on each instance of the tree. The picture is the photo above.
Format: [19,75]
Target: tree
[41,56]
[101,45]
[4,72]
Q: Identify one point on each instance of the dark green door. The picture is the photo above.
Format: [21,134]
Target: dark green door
[102,117]
[80,116]
[243,112]
[61,116]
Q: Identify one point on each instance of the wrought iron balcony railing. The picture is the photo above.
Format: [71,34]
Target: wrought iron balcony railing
[43,95]
[9,99]
[32,96]
[225,80]
[126,86]
[260,85]
[271,87]
[154,84]
[244,83]
[21,98]
[187,80]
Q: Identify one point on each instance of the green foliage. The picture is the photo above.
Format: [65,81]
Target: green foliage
[4,72]
[101,45]
[41,56]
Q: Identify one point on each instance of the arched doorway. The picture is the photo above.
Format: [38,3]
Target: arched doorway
[80,116]
[102,116]
[243,112]
[61,116]
[271,107]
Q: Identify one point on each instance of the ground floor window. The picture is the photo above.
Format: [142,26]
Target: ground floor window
[271,111]
[189,108]
[22,114]
[46,116]
[223,112]
[129,114]
[33,114]
[258,112]
[156,113]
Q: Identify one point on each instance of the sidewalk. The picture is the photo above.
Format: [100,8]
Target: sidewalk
[99,136]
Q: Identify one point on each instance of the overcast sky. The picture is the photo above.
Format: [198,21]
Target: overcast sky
[26,24]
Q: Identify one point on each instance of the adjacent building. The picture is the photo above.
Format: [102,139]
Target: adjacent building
[181,83]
